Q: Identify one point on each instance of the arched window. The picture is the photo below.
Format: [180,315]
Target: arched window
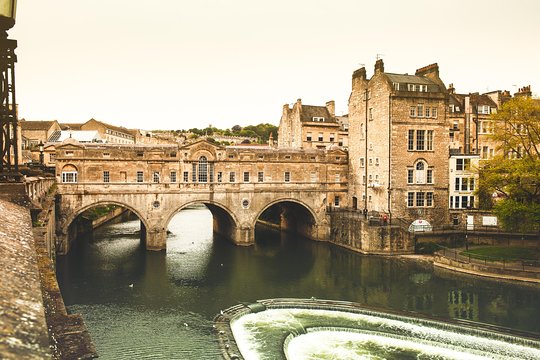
[203,169]
[420,172]
[69,174]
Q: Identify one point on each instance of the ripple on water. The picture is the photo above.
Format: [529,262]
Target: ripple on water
[127,332]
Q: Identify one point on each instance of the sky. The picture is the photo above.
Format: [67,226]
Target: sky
[178,64]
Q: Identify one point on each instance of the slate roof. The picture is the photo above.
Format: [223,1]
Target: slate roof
[310,111]
[36,125]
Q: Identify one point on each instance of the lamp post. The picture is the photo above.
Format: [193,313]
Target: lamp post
[41,162]
[9,168]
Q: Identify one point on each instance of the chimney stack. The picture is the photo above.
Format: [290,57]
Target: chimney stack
[379,66]
[331,107]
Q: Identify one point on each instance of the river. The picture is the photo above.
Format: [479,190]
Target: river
[139,304]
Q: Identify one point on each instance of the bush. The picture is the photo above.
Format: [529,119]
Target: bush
[426,248]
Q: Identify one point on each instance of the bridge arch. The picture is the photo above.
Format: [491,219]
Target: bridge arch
[225,222]
[291,215]
[68,235]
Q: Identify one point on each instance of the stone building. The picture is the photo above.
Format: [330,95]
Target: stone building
[398,148]
[309,127]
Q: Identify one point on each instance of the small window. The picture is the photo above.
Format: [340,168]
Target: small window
[106,154]
[410,199]
[320,137]
[336,201]
[186,176]
[412,111]
[318,118]
[288,157]
[69,153]
[172,154]
[260,176]
[140,176]
[287,176]
[332,137]
[338,178]
[410,176]
[246,176]
[219,176]
[231,156]
[309,136]
[140,154]
[173,176]
[232,176]
[106,177]
[362,162]
[429,199]
[370,114]
[156,177]
[69,176]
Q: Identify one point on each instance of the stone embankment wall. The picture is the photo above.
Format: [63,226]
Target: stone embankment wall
[23,329]
[351,230]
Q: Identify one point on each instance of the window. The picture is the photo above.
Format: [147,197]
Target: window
[411,87]
[172,176]
[219,176]
[420,110]
[287,176]
[172,154]
[362,162]
[420,173]
[484,109]
[420,199]
[106,177]
[140,176]
[69,176]
[246,176]
[429,176]
[332,137]
[336,201]
[318,118]
[186,176]
[193,172]
[451,136]
[309,136]
[69,153]
[370,161]
[370,114]
[412,111]
[410,144]
[471,184]
[106,155]
[429,140]
[464,184]
[260,176]
[320,136]
[410,199]
[456,185]
[434,112]
[410,176]
[155,176]
[427,112]
[337,178]
[203,169]
[463,164]
[232,176]
[429,199]
[396,86]
[420,140]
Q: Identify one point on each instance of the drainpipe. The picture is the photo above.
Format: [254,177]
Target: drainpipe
[389,156]
[366,151]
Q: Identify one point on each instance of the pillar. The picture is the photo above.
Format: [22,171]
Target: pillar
[156,239]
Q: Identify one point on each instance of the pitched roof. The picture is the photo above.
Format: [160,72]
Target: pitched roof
[310,111]
[70,126]
[36,125]
[113,127]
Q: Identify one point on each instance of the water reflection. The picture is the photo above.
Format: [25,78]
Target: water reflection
[200,275]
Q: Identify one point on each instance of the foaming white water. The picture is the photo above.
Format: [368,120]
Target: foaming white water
[353,346]
[259,335]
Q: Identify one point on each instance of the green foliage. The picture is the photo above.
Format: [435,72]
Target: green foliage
[514,176]
[98,211]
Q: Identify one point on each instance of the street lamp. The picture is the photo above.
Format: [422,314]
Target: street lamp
[41,153]
[9,168]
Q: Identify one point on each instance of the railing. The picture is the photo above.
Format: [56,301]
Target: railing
[490,261]
[37,187]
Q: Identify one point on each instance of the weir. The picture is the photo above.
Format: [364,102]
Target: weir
[311,328]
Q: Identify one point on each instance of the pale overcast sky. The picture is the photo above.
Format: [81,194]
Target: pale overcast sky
[177,64]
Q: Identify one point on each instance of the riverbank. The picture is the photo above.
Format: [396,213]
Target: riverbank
[476,269]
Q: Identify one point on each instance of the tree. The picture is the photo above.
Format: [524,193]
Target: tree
[513,177]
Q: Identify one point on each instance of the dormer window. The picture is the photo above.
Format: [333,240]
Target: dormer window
[318,119]
[396,86]
[484,109]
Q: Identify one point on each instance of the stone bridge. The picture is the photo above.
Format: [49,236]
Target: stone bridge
[237,184]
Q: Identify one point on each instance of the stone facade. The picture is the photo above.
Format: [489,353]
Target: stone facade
[310,127]
[399,144]
[237,184]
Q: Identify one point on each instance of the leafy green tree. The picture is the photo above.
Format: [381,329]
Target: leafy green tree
[514,175]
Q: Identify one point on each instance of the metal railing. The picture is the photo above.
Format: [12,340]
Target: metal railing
[489,261]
